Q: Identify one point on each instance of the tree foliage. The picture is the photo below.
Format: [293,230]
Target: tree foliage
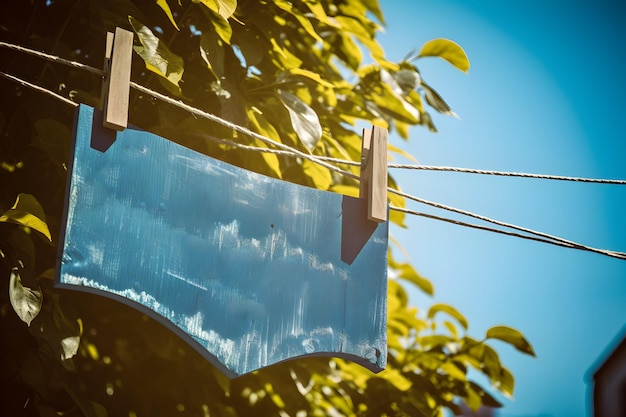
[302,72]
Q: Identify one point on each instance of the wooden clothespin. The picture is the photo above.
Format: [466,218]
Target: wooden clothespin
[374,173]
[116,87]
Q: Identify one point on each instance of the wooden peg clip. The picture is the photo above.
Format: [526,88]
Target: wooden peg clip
[116,86]
[374,173]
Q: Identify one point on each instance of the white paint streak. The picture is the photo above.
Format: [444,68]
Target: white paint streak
[170,273]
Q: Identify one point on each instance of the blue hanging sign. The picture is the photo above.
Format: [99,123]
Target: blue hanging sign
[248,269]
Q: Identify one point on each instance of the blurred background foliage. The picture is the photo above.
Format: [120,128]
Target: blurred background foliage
[305,73]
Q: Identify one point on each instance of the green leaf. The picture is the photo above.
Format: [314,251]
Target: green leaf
[435,341]
[364,32]
[253,45]
[437,102]
[390,80]
[491,362]
[396,327]
[349,190]
[347,50]
[409,273]
[397,296]
[157,56]
[212,53]
[395,334]
[374,7]
[310,75]
[407,317]
[447,50]
[486,399]
[224,8]
[407,79]
[70,344]
[317,8]
[451,328]
[394,104]
[505,383]
[27,212]
[445,308]
[166,8]
[304,120]
[264,127]
[428,122]
[396,378]
[431,360]
[474,357]
[396,216]
[319,175]
[62,334]
[402,152]
[454,371]
[511,336]
[473,399]
[25,301]
[282,57]
[69,347]
[220,24]
[303,20]
[233,105]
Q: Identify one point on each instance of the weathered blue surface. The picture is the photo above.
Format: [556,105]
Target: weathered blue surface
[247,266]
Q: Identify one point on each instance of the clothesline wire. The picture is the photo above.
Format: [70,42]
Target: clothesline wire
[323,161]
[546,236]
[506,174]
[180,104]
[38,88]
[286,149]
[613,254]
[240,129]
[53,58]
[504,224]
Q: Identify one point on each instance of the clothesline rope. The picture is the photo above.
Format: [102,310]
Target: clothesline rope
[613,254]
[182,105]
[53,58]
[508,225]
[241,129]
[38,88]
[506,174]
[323,161]
[286,149]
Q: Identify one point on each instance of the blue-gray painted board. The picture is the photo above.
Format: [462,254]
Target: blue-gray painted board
[246,268]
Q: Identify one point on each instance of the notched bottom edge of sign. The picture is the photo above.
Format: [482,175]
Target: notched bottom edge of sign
[202,350]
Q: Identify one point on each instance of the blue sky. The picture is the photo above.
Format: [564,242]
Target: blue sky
[544,94]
